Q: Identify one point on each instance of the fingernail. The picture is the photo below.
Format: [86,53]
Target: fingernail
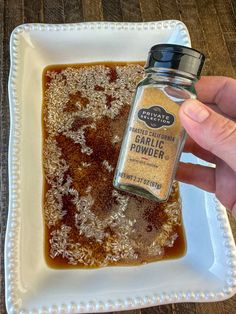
[196,111]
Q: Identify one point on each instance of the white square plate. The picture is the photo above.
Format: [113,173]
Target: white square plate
[208,270]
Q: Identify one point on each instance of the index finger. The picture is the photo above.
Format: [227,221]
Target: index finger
[218,90]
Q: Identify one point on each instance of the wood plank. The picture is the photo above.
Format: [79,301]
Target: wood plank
[33,11]
[125,312]
[131,11]
[112,10]
[53,11]
[220,59]
[184,308]
[228,26]
[169,10]
[190,16]
[233,7]
[210,308]
[162,309]
[128,312]
[92,10]
[11,15]
[73,11]
[150,11]
[229,305]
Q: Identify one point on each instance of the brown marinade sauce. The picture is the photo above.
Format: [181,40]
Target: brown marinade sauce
[87,222]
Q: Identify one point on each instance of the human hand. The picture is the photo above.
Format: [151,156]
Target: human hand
[212,137]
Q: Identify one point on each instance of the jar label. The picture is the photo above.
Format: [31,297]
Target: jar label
[156,117]
[152,143]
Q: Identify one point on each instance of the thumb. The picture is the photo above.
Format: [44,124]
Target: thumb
[210,130]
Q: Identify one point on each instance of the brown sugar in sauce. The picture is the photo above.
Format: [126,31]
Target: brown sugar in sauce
[87,222]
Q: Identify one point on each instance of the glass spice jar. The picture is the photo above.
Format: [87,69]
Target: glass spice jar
[154,137]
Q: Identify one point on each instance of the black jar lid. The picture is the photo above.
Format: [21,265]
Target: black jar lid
[175,57]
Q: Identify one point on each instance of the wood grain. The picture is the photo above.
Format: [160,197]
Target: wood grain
[233,7]
[112,10]
[212,27]
[32,11]
[162,309]
[227,22]
[190,16]
[215,39]
[170,10]
[130,312]
[53,11]
[229,306]
[205,308]
[73,11]
[150,11]
[131,11]
[92,10]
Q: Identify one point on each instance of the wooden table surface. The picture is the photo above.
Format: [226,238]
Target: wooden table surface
[212,27]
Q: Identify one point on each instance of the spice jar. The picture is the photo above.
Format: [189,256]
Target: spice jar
[154,137]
